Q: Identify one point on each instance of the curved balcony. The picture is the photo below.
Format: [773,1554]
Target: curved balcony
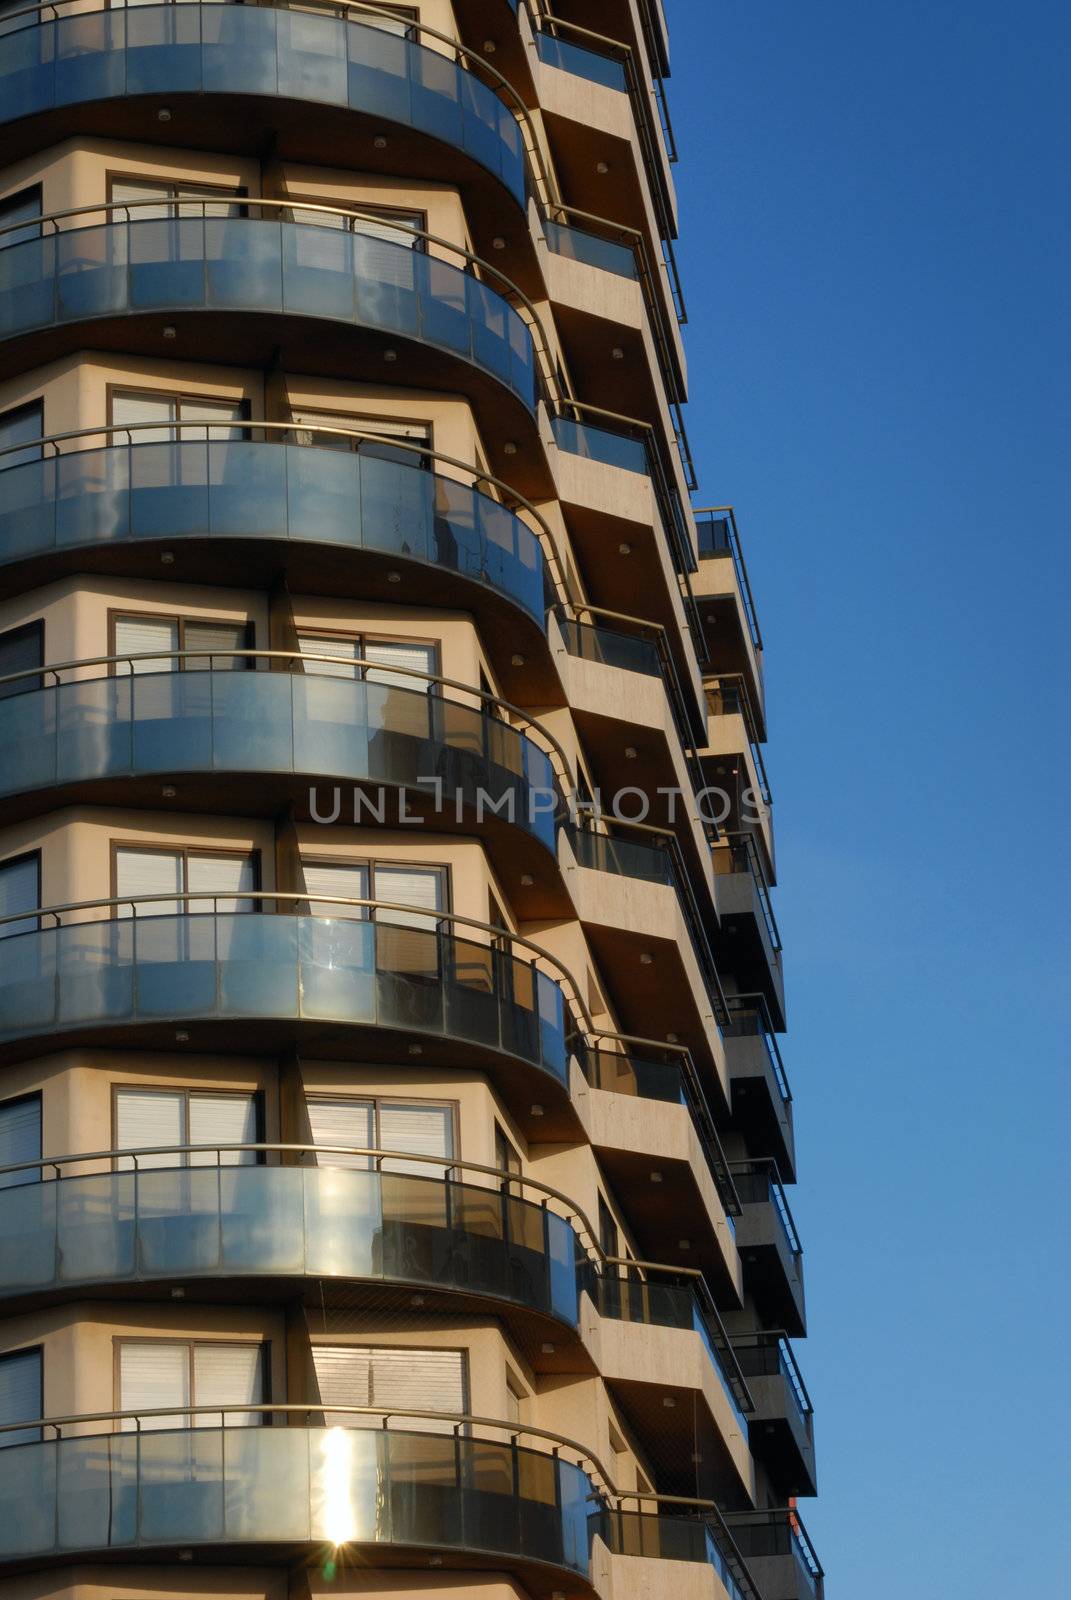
[230,74]
[325,295]
[255,739]
[154,1481]
[350,984]
[337,511]
[147,1216]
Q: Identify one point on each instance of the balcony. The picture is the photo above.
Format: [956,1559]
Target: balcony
[733,739]
[782,1421]
[749,941]
[233,75]
[770,1247]
[702,1537]
[779,1553]
[254,741]
[149,1483]
[333,984]
[104,1220]
[734,642]
[761,1097]
[336,512]
[317,297]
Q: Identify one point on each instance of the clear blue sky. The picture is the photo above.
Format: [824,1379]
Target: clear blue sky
[876,255]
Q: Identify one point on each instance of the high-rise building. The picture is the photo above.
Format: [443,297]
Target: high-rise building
[393,1130]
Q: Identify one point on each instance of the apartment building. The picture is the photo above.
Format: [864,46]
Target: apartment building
[393,1128]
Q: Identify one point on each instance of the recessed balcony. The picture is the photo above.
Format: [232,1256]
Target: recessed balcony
[761,1097]
[253,742]
[339,512]
[350,985]
[702,1538]
[782,1419]
[230,77]
[779,1553]
[726,604]
[770,1247]
[158,1483]
[253,288]
[748,942]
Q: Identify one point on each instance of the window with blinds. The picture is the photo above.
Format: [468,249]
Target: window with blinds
[155,414]
[155,199]
[21,1395]
[20,890]
[161,875]
[413,1127]
[21,430]
[343,654]
[142,636]
[157,1375]
[394,1379]
[391,662]
[20,650]
[20,1139]
[383,429]
[151,1118]
[24,207]
[348,880]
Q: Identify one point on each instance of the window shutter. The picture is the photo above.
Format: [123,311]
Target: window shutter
[418,887]
[419,1380]
[226,876]
[135,410]
[228,1117]
[139,636]
[22,207]
[349,881]
[343,653]
[395,655]
[425,1130]
[20,1139]
[149,872]
[20,890]
[20,1395]
[343,1122]
[344,1379]
[20,650]
[26,424]
[148,1117]
[131,192]
[229,1374]
[217,636]
[153,1375]
[219,414]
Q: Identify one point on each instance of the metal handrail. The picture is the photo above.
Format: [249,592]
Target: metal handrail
[766,1166]
[301,658]
[736,550]
[732,842]
[447,1165]
[512,497]
[757,1002]
[196,205]
[777,1338]
[472,59]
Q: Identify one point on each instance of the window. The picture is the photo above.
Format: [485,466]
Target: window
[506,1157]
[156,414]
[167,194]
[21,1395]
[391,661]
[608,1236]
[20,649]
[146,1118]
[20,1139]
[24,207]
[20,890]
[515,1397]
[423,888]
[390,223]
[402,23]
[153,1373]
[134,635]
[417,1127]
[21,430]
[387,429]
[164,874]
[392,1378]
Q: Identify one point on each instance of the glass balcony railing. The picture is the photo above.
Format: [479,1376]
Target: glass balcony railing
[679,1538]
[223,966]
[590,65]
[625,652]
[199,262]
[778,1550]
[600,444]
[750,1019]
[770,1355]
[590,248]
[143,1486]
[55,57]
[358,1219]
[296,722]
[137,489]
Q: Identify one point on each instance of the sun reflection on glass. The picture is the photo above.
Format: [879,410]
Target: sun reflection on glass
[340,1520]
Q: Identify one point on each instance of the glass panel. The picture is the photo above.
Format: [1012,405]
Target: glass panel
[153,1375]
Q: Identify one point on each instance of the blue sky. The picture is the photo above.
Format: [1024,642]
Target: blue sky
[876,254]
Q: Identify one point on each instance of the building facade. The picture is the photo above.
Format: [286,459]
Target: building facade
[393,1131]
